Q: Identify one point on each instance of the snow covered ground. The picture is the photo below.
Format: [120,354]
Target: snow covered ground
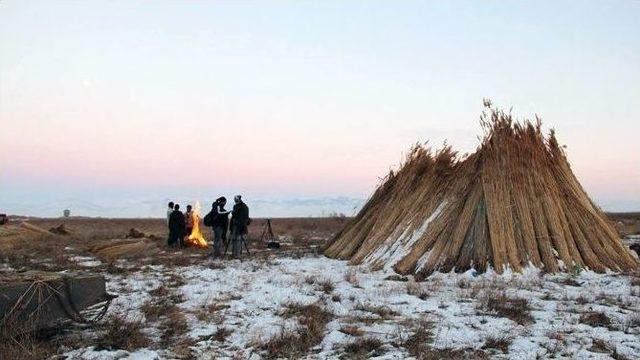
[234,309]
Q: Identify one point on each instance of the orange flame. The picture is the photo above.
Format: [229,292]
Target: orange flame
[196,238]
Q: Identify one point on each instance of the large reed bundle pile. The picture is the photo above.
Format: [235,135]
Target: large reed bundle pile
[512,203]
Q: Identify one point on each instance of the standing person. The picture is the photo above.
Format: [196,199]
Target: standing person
[239,222]
[169,211]
[176,226]
[220,223]
[188,225]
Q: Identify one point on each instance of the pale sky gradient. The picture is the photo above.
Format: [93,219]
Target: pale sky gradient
[285,99]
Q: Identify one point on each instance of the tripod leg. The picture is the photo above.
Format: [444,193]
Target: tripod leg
[226,247]
[244,241]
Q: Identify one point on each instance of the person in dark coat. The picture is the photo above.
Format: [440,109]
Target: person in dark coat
[239,223]
[177,226]
[169,211]
[220,224]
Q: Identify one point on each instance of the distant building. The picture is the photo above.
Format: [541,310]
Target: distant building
[66,213]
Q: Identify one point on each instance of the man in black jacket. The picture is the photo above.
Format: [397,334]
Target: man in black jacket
[239,223]
[219,223]
[177,226]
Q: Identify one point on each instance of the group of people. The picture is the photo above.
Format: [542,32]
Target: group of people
[181,225]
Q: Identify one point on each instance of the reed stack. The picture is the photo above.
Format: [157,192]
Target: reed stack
[513,203]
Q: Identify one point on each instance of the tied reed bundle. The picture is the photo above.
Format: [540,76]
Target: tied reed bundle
[514,202]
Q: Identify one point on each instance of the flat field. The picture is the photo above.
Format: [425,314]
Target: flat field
[295,303]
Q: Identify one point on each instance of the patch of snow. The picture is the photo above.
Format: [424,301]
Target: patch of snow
[85,261]
[394,248]
[256,292]
[91,354]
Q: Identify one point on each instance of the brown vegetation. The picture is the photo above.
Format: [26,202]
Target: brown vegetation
[501,343]
[384,312]
[595,319]
[513,202]
[120,333]
[313,320]
[362,348]
[419,341]
[516,309]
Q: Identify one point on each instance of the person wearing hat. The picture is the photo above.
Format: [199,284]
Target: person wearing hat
[219,223]
[239,222]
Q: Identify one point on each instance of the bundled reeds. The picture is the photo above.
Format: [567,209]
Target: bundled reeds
[514,202]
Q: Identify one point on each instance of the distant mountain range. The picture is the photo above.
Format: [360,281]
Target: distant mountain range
[150,208]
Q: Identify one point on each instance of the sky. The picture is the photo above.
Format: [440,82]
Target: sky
[119,100]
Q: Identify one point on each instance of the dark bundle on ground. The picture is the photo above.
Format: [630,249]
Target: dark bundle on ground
[513,202]
[60,230]
[135,234]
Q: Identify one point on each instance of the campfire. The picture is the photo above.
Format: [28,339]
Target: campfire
[196,238]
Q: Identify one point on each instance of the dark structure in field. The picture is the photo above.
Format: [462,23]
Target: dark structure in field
[513,202]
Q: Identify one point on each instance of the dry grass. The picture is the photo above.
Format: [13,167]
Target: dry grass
[581,300]
[160,291]
[326,286]
[153,309]
[599,346]
[173,327]
[453,354]
[569,281]
[501,343]
[210,311]
[362,348]
[313,319]
[222,334]
[595,319]
[175,280]
[351,330]
[418,342]
[604,347]
[117,332]
[516,309]
[25,250]
[416,289]
[384,312]
[114,269]
[25,347]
